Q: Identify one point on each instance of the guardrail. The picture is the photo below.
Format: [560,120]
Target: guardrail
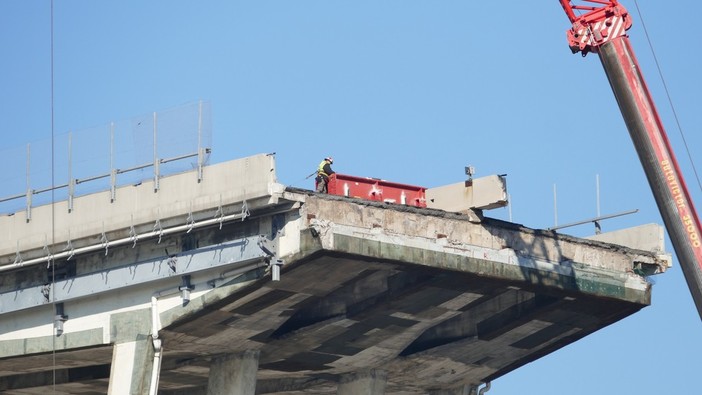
[184,132]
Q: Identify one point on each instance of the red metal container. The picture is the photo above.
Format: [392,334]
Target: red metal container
[376,189]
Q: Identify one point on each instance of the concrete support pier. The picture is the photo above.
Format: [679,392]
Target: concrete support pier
[371,382]
[131,367]
[466,389]
[233,374]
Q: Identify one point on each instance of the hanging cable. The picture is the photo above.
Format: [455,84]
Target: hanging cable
[667,93]
[53,206]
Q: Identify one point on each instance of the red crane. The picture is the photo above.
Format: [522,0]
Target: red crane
[601,28]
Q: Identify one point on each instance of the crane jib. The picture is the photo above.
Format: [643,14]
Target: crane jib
[589,34]
[652,145]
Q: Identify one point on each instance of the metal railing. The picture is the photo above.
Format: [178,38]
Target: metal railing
[184,133]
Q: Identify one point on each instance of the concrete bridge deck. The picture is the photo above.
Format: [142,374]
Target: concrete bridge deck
[175,290]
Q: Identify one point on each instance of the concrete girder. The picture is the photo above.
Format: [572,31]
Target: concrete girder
[232,253]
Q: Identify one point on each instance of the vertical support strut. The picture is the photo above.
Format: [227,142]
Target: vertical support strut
[113,171]
[157,170]
[28,191]
[71,180]
[200,150]
[157,162]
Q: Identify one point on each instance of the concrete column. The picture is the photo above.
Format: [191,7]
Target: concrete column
[465,389]
[131,367]
[233,374]
[363,383]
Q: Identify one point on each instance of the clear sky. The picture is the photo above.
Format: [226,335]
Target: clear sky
[408,91]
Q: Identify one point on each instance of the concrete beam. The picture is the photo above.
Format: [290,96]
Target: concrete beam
[483,193]
[234,374]
[492,248]
[238,252]
[71,378]
[649,237]
[466,389]
[371,382]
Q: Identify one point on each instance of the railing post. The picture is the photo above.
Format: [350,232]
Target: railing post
[113,171]
[71,182]
[156,161]
[200,153]
[29,188]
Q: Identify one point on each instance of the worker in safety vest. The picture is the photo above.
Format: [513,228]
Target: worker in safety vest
[324,170]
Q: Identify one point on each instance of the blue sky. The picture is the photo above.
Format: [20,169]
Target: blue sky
[408,91]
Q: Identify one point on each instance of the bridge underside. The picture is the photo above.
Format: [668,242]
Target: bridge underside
[338,313]
[335,313]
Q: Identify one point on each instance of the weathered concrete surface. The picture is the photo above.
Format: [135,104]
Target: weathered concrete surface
[233,374]
[649,237]
[492,249]
[482,193]
[434,300]
[178,197]
[363,383]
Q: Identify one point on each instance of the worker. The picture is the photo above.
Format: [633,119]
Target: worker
[324,170]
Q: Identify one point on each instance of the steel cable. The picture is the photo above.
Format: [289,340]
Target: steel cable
[670,100]
[53,206]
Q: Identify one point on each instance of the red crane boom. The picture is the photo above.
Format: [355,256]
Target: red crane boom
[601,29]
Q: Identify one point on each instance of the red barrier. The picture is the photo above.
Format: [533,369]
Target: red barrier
[377,190]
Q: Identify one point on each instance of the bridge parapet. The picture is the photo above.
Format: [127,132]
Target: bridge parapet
[138,212]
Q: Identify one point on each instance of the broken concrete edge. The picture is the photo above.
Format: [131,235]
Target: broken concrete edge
[477,216]
[293,193]
[658,262]
[498,249]
[655,262]
[597,283]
